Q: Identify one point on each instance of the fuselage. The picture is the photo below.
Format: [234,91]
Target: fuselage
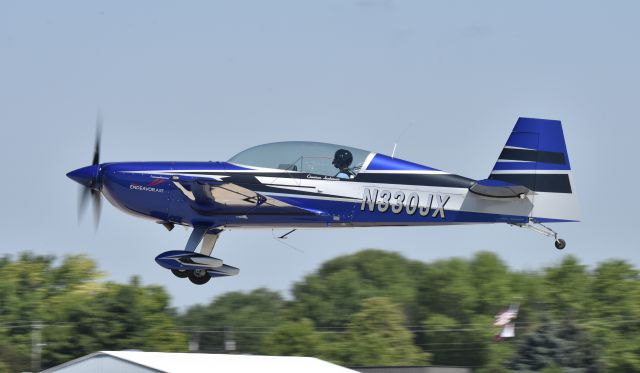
[406,194]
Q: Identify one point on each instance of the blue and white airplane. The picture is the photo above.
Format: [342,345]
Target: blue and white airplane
[297,184]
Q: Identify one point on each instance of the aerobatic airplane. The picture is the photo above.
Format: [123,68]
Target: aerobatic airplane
[298,184]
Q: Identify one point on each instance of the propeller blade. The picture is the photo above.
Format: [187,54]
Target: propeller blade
[89,195]
[83,199]
[97,207]
[96,149]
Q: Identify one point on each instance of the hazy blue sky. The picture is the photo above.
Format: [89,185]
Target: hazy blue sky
[204,80]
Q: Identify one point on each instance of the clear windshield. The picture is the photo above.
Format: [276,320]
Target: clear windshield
[302,156]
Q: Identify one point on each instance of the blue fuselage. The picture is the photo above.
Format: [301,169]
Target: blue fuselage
[167,192]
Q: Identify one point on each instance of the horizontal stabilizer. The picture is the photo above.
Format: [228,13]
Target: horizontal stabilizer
[498,189]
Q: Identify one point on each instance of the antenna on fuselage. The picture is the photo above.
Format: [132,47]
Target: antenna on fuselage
[395,145]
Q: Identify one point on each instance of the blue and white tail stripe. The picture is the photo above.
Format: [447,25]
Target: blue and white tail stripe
[535,144]
[536,157]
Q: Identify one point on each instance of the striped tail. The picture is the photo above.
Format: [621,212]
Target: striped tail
[536,157]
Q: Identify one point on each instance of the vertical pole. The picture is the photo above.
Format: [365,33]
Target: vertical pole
[229,340]
[194,342]
[36,345]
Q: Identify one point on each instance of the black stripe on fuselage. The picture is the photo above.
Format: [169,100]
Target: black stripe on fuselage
[527,155]
[436,180]
[554,183]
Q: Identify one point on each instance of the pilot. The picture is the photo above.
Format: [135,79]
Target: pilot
[342,160]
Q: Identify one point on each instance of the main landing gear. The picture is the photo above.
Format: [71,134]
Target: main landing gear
[199,268]
[199,276]
[181,273]
[538,227]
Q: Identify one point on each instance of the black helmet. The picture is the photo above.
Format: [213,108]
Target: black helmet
[342,158]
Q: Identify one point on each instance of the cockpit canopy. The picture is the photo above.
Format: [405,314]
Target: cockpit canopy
[300,156]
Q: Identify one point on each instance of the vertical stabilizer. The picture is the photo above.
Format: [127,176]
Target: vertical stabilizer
[536,157]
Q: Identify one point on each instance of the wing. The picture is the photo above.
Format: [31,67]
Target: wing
[212,198]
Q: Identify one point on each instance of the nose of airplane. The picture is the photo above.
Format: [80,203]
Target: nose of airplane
[85,176]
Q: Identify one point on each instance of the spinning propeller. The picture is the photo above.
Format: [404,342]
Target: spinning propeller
[89,178]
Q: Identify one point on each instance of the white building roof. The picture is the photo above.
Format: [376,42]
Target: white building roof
[171,362]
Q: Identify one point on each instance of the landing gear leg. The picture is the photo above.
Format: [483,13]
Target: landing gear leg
[207,239]
[538,227]
[198,267]
[195,237]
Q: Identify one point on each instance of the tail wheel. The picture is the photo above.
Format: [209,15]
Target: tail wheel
[199,276]
[182,273]
[560,244]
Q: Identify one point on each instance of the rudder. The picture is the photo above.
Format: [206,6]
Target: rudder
[536,157]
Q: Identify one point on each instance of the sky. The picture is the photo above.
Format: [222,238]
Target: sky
[198,81]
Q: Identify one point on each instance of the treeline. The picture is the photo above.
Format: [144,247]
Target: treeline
[370,308]
[78,312]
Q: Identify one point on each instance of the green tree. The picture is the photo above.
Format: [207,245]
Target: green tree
[615,313]
[616,292]
[377,336]
[115,317]
[557,344]
[619,352]
[335,292]
[294,338]
[460,344]
[567,288]
[245,317]
[492,282]
[28,285]
[447,287]
[498,354]
[79,314]
[8,356]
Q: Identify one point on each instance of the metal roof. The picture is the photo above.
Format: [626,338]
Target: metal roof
[173,362]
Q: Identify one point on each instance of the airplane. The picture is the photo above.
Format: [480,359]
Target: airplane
[301,184]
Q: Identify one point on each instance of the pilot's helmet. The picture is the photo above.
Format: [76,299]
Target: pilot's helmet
[342,158]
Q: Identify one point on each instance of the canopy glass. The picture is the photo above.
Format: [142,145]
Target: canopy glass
[302,156]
